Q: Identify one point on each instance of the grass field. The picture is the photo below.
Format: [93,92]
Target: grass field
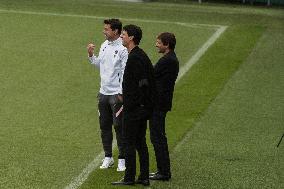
[228,109]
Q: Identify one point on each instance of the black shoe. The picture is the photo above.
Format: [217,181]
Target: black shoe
[144,182]
[159,176]
[122,182]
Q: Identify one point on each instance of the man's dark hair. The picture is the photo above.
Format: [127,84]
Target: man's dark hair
[135,31]
[114,24]
[168,39]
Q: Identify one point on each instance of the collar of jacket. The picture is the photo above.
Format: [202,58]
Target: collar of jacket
[170,53]
[134,49]
[115,42]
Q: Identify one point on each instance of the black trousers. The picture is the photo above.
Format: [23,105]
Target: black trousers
[109,108]
[159,140]
[134,131]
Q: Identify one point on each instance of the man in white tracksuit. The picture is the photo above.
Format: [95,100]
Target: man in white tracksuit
[111,63]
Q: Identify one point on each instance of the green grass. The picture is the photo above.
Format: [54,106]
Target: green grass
[48,91]
[49,128]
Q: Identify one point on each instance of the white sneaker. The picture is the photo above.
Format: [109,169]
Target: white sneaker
[107,163]
[121,165]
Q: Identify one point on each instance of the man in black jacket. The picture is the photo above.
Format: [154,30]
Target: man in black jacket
[165,73]
[138,90]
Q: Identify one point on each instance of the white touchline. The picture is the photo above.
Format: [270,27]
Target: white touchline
[102,18]
[200,52]
[79,180]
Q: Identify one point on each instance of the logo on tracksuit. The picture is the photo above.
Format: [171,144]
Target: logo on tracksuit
[115,53]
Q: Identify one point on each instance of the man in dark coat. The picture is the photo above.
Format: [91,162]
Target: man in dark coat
[165,73]
[138,91]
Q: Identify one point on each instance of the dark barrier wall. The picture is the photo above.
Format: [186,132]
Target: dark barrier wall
[272,2]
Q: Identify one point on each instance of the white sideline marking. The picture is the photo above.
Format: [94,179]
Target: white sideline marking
[102,18]
[200,52]
[79,180]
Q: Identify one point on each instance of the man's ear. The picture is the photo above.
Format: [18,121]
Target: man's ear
[131,37]
[168,47]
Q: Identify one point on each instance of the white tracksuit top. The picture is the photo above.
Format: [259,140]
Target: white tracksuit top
[111,62]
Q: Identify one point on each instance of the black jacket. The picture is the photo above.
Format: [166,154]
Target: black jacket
[138,84]
[165,73]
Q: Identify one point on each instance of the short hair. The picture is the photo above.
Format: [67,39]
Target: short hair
[114,24]
[135,31]
[168,38]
